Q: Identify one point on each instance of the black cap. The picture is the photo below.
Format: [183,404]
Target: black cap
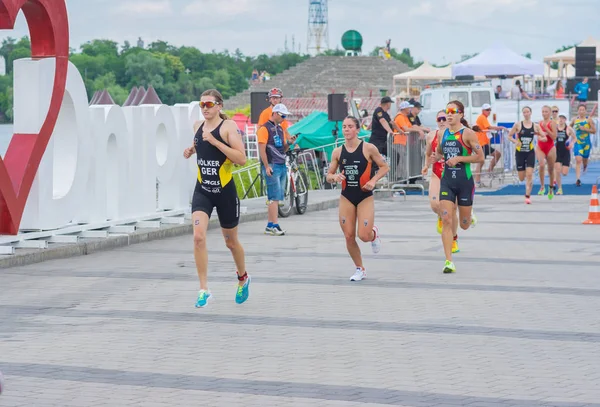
[386,99]
[415,103]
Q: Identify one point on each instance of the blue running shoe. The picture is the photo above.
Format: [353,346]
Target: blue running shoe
[243,292]
[203,297]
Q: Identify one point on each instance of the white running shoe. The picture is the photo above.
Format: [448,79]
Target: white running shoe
[473,219]
[376,243]
[359,274]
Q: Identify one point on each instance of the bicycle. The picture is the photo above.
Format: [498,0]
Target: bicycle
[296,188]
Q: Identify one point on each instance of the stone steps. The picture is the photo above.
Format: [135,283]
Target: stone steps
[321,75]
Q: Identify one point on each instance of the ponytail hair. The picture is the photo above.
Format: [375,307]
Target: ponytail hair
[465,123]
[218,98]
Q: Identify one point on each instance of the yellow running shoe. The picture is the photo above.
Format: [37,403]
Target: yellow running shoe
[439,225]
[449,267]
[455,248]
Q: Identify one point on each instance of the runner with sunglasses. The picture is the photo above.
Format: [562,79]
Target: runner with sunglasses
[555,116]
[525,132]
[460,148]
[545,151]
[357,205]
[436,175]
[218,145]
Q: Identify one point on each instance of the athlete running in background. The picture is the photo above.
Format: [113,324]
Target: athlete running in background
[583,127]
[460,148]
[218,145]
[525,132]
[434,182]
[546,152]
[357,205]
[565,140]
[555,112]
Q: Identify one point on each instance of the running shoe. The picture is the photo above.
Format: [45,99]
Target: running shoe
[203,297]
[439,225]
[551,192]
[455,248]
[528,201]
[359,274]
[376,243]
[473,219]
[274,231]
[542,190]
[578,183]
[449,267]
[277,231]
[559,192]
[243,292]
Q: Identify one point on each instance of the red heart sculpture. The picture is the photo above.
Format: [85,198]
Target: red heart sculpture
[49,30]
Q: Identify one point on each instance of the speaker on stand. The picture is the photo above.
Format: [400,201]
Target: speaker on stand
[259,101]
[337,110]
[585,62]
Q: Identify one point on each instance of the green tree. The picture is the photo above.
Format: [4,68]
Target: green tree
[145,69]
[100,47]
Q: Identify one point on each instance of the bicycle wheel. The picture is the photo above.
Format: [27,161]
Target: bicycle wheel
[301,193]
[285,206]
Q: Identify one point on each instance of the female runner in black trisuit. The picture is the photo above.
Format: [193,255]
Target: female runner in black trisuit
[218,145]
[357,205]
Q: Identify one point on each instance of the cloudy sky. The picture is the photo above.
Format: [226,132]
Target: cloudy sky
[436,30]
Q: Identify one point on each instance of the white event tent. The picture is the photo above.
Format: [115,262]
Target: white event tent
[498,60]
[424,72]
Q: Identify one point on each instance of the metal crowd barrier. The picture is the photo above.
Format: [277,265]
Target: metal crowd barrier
[405,156]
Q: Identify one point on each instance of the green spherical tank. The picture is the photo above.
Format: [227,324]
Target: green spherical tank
[352,40]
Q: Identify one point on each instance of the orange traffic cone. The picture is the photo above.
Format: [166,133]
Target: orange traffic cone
[594,212]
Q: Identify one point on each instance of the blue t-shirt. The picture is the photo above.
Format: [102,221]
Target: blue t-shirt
[582,90]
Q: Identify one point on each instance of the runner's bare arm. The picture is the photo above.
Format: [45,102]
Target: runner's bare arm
[439,153]
[235,151]
[515,129]
[553,130]
[572,138]
[471,140]
[197,125]
[376,156]
[333,166]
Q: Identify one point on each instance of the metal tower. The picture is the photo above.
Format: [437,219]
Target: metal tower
[318,27]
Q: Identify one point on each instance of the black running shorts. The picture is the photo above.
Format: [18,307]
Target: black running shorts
[460,191]
[226,202]
[525,160]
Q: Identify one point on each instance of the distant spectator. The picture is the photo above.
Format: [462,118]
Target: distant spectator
[413,116]
[582,89]
[388,45]
[498,92]
[402,120]
[255,75]
[559,93]
[381,125]
[517,92]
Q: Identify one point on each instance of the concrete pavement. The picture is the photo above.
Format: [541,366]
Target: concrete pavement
[516,326]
